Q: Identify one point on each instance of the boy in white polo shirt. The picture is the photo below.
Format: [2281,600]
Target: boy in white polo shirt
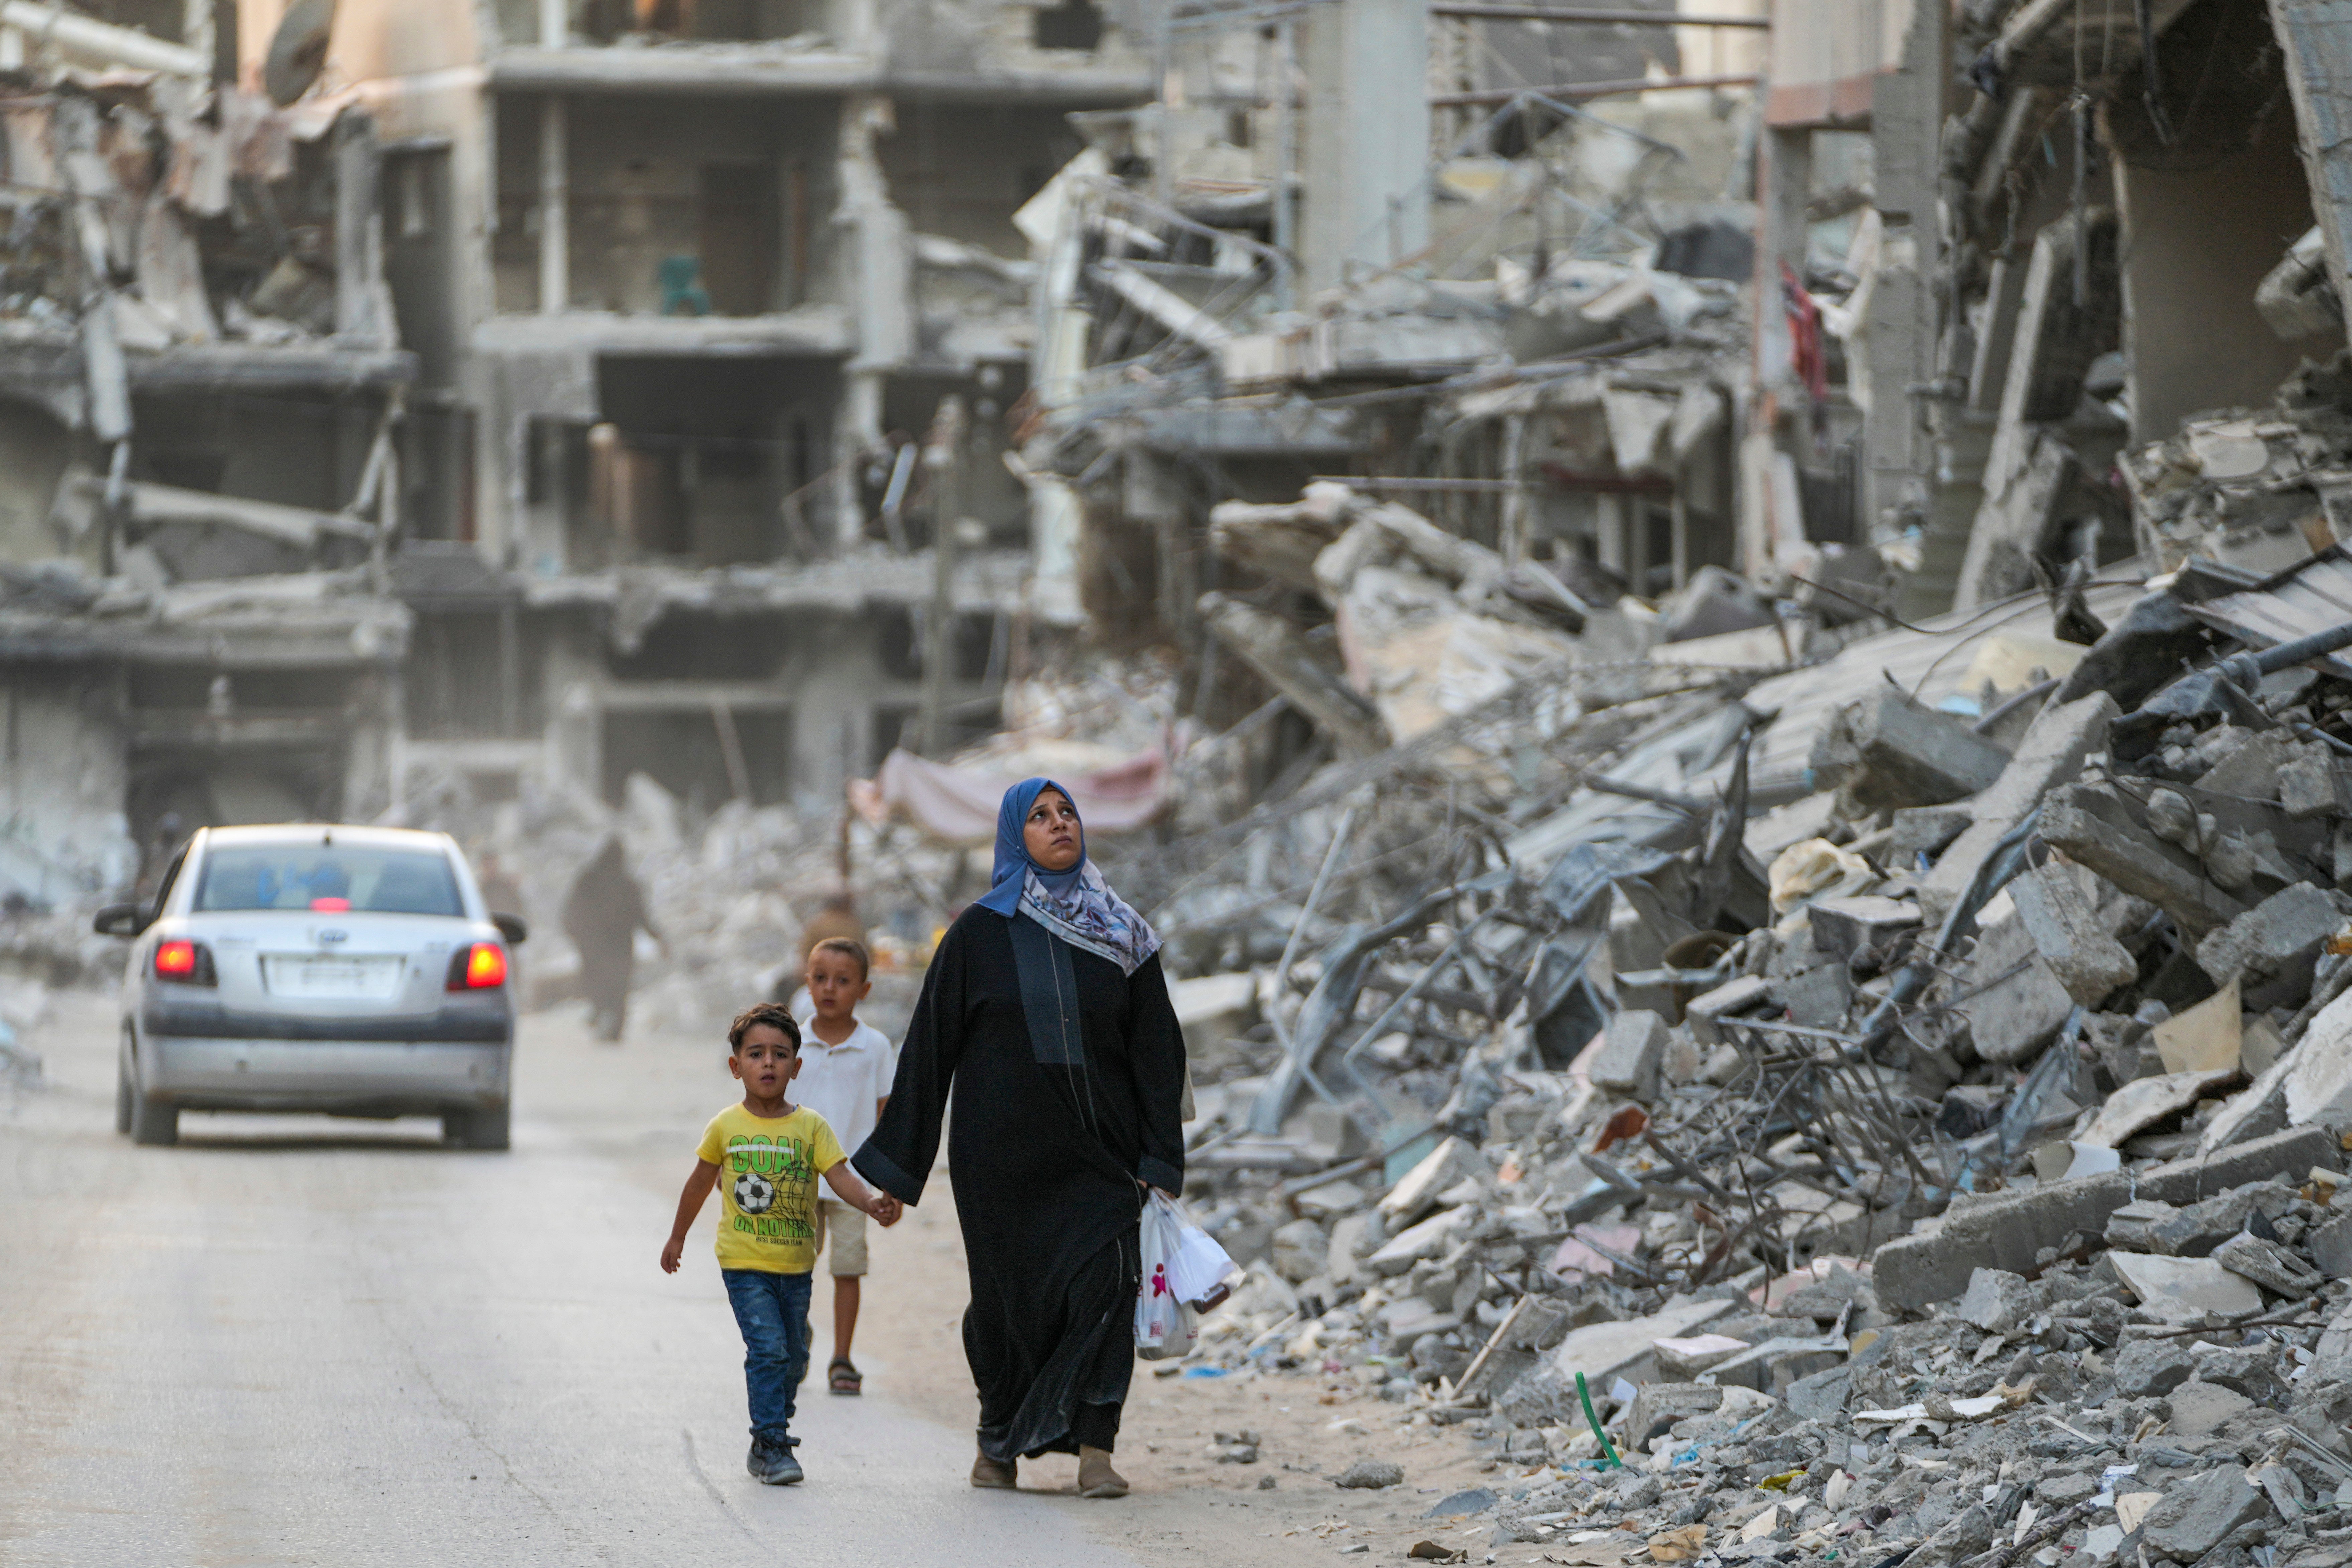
[847,1067]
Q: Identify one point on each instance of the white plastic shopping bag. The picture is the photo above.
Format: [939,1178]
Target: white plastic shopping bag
[1200,1273]
[1164,1326]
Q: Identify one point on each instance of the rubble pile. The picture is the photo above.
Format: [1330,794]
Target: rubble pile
[2258,488]
[1889,1107]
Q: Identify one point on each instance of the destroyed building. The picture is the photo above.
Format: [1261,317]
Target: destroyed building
[583,367]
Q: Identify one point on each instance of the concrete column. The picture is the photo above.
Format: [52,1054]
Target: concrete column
[555,207]
[360,293]
[1788,179]
[856,432]
[1365,197]
[197,30]
[554,24]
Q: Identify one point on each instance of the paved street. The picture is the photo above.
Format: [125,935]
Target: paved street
[321,1342]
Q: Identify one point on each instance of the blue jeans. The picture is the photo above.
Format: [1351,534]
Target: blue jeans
[772,1311]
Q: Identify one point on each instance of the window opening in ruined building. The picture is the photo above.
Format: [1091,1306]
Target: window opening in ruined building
[1074,26]
[163,19]
[706,648]
[737,220]
[470,675]
[686,752]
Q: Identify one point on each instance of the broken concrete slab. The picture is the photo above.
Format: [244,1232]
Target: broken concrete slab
[1823,1396]
[1416,1191]
[2062,739]
[1604,1352]
[2250,772]
[2292,1153]
[1889,749]
[2144,1102]
[2319,1078]
[2276,940]
[2013,1019]
[1818,998]
[1842,927]
[2200,1408]
[1429,1238]
[1684,1360]
[2268,1265]
[1659,1405]
[2197,1513]
[2002,1230]
[2195,1229]
[1733,998]
[2066,929]
[1631,1050]
[2094,825]
[1927,830]
[1774,1364]
[1997,1300]
[2183,1290]
[2331,1247]
[2148,1369]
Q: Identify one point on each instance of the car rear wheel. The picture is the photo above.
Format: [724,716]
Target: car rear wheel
[153,1121]
[480,1129]
[123,1093]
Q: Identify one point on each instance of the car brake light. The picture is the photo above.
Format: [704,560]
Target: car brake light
[482,967]
[331,906]
[186,963]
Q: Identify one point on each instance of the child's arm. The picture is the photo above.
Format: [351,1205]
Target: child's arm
[705,1176]
[850,1189]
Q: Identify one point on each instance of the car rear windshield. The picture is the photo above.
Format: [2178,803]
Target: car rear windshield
[329,878]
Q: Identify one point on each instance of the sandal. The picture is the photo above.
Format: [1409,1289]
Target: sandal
[844,1378]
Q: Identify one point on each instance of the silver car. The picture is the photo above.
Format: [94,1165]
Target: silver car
[348,970]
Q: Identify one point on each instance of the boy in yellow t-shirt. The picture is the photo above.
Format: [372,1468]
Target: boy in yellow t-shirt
[771,1152]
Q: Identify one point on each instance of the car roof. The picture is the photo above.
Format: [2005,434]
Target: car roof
[291,833]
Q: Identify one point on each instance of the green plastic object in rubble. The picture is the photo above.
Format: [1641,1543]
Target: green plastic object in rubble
[1607,1452]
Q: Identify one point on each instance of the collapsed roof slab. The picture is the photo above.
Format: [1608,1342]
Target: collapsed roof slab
[44,365]
[2315,37]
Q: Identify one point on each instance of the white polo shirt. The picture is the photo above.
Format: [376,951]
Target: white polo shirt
[842,1082]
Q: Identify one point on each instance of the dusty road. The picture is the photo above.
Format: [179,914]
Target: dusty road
[317,1341]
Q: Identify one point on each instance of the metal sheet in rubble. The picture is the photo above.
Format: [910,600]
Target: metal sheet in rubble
[2311,596]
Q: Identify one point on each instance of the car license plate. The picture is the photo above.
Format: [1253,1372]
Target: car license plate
[333,979]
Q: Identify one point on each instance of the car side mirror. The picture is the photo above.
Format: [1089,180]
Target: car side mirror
[512,927]
[120,920]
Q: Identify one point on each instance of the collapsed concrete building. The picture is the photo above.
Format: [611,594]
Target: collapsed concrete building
[402,403]
[2068,242]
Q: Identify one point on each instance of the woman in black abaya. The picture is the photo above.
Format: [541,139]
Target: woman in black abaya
[1046,1011]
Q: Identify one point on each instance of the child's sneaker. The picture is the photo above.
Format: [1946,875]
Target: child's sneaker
[773,1461]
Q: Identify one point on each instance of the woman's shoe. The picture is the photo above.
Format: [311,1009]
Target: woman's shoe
[994,1474]
[1096,1478]
[844,1378]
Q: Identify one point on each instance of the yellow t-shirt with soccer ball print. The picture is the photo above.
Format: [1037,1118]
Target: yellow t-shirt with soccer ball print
[768,1171]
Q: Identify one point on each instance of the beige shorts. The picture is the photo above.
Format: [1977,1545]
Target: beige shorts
[844,1229]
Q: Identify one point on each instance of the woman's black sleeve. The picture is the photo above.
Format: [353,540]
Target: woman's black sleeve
[1155,1051]
[897,1158]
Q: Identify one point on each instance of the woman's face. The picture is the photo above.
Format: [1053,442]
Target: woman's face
[1051,834]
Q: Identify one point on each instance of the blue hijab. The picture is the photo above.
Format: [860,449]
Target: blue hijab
[1075,905]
